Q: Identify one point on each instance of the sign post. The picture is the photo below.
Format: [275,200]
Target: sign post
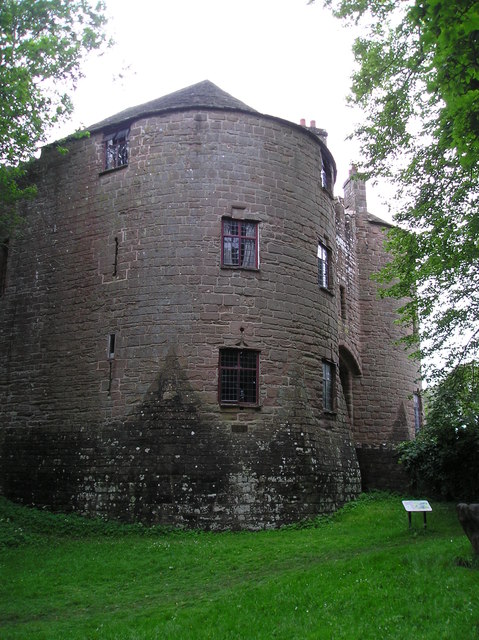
[418,506]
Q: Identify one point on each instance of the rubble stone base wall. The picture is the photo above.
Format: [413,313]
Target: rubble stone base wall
[171,464]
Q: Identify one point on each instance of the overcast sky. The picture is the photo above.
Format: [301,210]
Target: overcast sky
[282,57]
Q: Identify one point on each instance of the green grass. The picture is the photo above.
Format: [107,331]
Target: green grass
[361,574]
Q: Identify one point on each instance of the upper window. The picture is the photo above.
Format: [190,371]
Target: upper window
[323,266]
[238,376]
[329,377]
[116,149]
[239,243]
[327,174]
[324,175]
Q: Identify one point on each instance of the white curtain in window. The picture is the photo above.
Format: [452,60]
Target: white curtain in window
[248,250]
[248,244]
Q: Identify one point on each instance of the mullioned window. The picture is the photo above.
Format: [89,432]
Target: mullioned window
[239,243]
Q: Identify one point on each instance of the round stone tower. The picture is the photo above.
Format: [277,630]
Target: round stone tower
[170,311]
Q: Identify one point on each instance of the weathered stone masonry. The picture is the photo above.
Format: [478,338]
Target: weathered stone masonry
[116,309]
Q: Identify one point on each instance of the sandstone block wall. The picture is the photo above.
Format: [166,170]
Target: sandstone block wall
[382,378]
[384,408]
[135,253]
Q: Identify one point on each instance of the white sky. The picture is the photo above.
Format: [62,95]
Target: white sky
[282,57]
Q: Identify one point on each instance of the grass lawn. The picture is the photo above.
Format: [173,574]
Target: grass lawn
[361,574]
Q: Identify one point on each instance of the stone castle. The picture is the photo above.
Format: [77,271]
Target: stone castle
[189,331]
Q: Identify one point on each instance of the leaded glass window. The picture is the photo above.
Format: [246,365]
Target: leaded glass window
[239,243]
[238,376]
[323,266]
[116,149]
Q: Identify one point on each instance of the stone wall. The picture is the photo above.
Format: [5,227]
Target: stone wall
[382,379]
[169,465]
[383,394]
[135,253]
[384,407]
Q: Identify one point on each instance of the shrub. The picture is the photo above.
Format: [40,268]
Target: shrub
[444,458]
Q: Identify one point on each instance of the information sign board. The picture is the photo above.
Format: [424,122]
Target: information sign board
[412,506]
[417,505]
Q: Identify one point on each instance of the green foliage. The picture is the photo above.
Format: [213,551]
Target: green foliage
[443,460]
[363,575]
[10,192]
[21,525]
[417,84]
[42,45]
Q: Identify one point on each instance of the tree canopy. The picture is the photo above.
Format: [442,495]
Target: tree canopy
[417,84]
[42,46]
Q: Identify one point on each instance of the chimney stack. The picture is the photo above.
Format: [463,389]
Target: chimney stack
[355,192]
[321,133]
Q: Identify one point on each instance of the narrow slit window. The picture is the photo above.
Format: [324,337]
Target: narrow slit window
[329,392]
[111,346]
[115,262]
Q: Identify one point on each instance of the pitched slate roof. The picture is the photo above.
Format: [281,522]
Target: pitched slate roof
[203,94]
